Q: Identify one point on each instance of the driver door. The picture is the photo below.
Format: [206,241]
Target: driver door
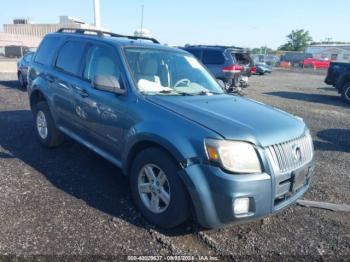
[102,114]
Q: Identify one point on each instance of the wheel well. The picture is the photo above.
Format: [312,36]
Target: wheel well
[346,82]
[36,97]
[140,146]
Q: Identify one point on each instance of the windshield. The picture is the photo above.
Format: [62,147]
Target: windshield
[171,73]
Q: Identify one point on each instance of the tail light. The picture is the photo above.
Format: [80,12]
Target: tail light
[253,69]
[233,69]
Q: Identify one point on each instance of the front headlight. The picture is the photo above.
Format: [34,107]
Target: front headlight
[234,156]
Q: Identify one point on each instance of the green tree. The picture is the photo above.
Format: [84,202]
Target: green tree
[262,50]
[297,41]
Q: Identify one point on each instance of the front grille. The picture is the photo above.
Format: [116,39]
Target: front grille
[290,155]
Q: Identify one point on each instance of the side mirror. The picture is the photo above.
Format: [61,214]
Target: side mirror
[107,83]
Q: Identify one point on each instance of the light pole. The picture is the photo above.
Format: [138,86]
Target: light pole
[142,19]
[97,13]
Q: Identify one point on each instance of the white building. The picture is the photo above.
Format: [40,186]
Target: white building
[39,30]
[23,33]
[336,52]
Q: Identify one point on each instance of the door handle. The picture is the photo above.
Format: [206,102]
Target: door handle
[81,91]
[50,78]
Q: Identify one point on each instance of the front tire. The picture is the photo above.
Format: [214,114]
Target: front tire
[157,190]
[45,127]
[345,94]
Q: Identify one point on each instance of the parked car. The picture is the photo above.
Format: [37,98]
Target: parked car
[22,68]
[338,75]
[294,58]
[159,115]
[315,63]
[262,69]
[229,64]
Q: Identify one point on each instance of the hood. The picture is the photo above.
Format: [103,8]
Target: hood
[235,118]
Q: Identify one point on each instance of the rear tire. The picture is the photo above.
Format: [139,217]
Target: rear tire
[156,161]
[345,94]
[45,127]
[21,80]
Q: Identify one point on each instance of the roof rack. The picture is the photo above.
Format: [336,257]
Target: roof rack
[216,46]
[101,33]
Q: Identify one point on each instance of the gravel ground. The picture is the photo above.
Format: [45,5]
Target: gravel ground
[69,201]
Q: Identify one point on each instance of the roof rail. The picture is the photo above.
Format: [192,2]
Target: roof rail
[216,46]
[101,33]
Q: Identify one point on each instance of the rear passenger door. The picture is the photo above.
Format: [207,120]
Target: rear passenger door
[66,78]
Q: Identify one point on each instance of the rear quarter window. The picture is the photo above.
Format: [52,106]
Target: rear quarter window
[47,50]
[195,52]
[70,57]
[213,57]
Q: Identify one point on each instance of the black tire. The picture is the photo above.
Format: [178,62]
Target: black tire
[21,80]
[54,136]
[178,209]
[345,93]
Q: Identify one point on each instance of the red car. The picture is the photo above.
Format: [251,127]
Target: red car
[315,63]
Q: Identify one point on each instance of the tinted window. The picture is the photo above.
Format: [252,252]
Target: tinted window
[46,50]
[69,57]
[195,52]
[213,57]
[100,61]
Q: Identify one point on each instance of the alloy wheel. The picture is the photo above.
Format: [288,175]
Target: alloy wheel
[41,124]
[154,188]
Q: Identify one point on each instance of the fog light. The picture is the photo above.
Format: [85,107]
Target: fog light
[241,206]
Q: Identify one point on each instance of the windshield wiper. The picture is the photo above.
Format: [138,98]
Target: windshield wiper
[174,91]
[207,92]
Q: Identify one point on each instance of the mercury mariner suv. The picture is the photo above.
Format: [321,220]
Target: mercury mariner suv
[188,148]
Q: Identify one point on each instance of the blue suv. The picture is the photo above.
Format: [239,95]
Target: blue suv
[188,147]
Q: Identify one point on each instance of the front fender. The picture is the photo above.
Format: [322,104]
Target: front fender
[181,138]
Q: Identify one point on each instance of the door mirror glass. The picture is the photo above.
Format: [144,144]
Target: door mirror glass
[108,83]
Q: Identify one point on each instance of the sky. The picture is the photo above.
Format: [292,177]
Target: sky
[246,23]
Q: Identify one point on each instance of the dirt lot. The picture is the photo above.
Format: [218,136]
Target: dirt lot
[70,201]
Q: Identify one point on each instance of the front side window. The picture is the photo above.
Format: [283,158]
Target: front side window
[70,56]
[100,61]
[169,72]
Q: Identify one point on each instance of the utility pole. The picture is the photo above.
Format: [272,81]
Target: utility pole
[97,13]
